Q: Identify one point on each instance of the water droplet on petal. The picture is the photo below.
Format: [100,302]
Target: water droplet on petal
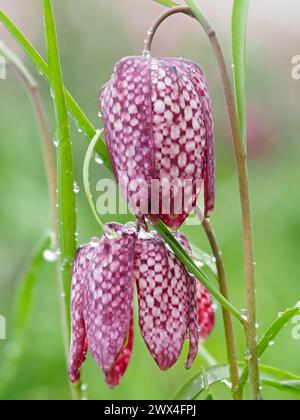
[111,234]
[271,343]
[94,242]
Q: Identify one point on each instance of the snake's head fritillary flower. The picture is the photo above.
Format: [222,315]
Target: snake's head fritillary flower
[170,309]
[159,132]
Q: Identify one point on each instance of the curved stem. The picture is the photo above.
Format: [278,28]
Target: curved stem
[242,170]
[33,90]
[86,180]
[223,284]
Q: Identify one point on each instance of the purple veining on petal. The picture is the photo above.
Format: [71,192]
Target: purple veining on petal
[206,312]
[172,304]
[205,317]
[109,298]
[117,371]
[158,124]
[198,79]
[78,338]
[163,299]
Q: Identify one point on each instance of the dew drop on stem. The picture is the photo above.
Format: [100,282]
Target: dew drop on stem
[248,355]
[199,264]
[50,255]
[98,160]
[76,188]
[244,314]
[147,53]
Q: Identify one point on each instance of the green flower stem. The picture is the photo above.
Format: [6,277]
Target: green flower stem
[65,176]
[242,169]
[224,289]
[33,91]
[268,337]
[86,180]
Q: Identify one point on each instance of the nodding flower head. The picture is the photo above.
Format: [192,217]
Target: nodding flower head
[173,306]
[159,132]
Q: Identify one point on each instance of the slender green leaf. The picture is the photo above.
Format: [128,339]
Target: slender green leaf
[167,3]
[239,34]
[269,337]
[209,396]
[195,386]
[43,68]
[290,386]
[270,377]
[199,14]
[28,283]
[190,265]
[205,259]
[65,175]
[9,368]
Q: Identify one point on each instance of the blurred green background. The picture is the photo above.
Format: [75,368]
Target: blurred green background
[93,35]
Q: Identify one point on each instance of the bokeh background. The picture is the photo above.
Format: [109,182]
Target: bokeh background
[93,35]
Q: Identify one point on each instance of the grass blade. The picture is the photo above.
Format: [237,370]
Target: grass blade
[27,285]
[9,368]
[270,376]
[270,336]
[167,3]
[239,34]
[65,175]
[42,66]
